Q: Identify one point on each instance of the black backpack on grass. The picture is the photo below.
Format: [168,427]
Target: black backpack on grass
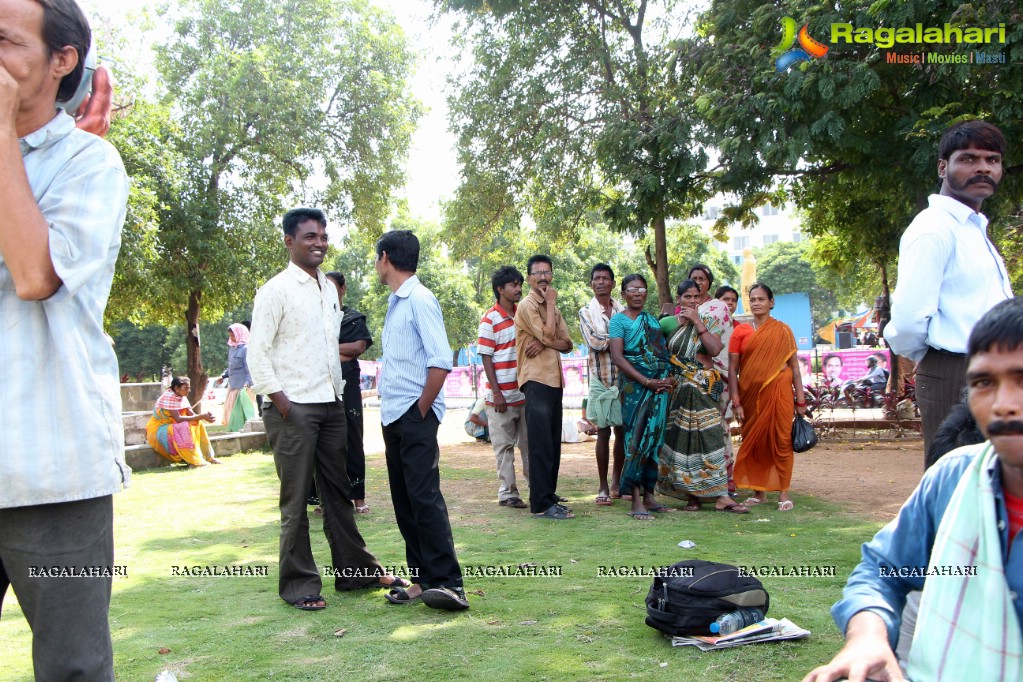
[690,595]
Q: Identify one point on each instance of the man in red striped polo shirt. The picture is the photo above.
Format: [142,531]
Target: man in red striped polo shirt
[505,406]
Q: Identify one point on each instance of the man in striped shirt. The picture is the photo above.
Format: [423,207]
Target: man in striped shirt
[507,420]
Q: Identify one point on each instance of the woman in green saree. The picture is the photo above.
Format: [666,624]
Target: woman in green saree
[638,350]
[692,460]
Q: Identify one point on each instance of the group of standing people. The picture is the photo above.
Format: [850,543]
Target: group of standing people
[681,373]
[664,388]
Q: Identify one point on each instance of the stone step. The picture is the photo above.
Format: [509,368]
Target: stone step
[141,456]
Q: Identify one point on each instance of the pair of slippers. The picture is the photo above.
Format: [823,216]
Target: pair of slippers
[316,602]
[444,598]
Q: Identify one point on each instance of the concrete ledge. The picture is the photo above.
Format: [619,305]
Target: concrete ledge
[232,443]
[140,397]
[142,456]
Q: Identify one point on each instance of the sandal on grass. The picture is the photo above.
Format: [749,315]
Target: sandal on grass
[753,500]
[555,512]
[660,509]
[603,500]
[642,515]
[362,509]
[446,598]
[734,508]
[785,505]
[398,595]
[312,602]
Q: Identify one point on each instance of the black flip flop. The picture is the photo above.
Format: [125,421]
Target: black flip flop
[398,595]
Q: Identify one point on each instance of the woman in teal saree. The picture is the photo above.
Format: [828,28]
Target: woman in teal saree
[639,352]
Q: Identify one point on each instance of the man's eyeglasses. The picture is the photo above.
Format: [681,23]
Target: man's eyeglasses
[636,290]
[541,273]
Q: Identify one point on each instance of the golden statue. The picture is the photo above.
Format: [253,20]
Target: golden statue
[749,276]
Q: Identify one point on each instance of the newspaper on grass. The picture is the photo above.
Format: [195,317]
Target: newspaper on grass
[767,630]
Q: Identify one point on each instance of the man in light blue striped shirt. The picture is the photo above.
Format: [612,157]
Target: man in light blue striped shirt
[416,361]
[62,450]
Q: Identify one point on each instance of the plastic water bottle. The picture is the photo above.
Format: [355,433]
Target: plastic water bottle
[736,620]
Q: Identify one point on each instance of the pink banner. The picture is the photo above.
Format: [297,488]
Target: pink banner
[839,366]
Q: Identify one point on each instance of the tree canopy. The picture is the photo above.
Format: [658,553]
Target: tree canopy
[851,137]
[566,109]
[265,97]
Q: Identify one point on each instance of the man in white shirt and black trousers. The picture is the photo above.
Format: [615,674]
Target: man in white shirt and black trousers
[950,273]
[295,363]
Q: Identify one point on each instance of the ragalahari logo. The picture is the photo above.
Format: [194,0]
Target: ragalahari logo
[808,47]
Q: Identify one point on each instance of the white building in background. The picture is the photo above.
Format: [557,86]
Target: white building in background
[775,225]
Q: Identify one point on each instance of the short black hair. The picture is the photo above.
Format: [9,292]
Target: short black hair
[248,324]
[977,133]
[505,274]
[724,289]
[538,258]
[1000,328]
[601,267]
[629,279]
[64,24]
[706,271]
[832,355]
[761,285]
[180,381]
[685,285]
[402,249]
[300,215]
[337,277]
[958,429]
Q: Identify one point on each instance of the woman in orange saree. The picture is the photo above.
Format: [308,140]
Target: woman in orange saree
[763,375]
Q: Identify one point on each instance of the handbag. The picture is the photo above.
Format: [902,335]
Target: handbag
[803,435]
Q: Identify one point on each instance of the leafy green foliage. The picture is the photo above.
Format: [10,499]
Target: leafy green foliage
[851,137]
[262,95]
[567,110]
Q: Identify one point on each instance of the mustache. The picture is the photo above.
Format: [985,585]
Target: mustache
[1005,428]
[981,178]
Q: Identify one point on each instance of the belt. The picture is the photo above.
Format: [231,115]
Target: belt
[942,351]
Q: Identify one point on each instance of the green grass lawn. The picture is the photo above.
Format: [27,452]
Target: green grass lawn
[579,626]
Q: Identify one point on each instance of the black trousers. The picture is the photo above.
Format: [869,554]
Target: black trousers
[543,427]
[413,471]
[356,459]
[309,440]
[940,380]
[68,615]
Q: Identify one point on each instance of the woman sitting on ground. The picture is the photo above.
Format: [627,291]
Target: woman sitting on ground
[176,432]
[638,350]
[693,459]
[764,376]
